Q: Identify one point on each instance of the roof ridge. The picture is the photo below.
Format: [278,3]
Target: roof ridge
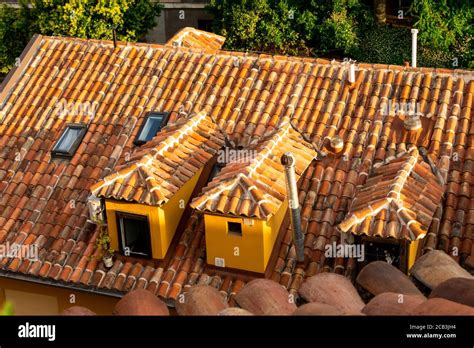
[276,57]
[393,195]
[148,158]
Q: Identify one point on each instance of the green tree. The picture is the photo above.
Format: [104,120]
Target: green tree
[15,31]
[444,23]
[96,18]
[290,26]
[257,25]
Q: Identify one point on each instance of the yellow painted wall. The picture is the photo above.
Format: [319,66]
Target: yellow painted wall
[172,211]
[412,253]
[163,220]
[38,299]
[252,250]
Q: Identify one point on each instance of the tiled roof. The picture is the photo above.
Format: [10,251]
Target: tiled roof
[194,38]
[43,199]
[398,200]
[158,170]
[253,185]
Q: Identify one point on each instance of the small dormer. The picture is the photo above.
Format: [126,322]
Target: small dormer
[145,198]
[394,209]
[246,202]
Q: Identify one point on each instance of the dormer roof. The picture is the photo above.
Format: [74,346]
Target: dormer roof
[255,186]
[398,200]
[156,172]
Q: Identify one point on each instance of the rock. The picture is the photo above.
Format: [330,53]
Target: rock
[201,300]
[234,311]
[460,290]
[379,277]
[265,297]
[435,267]
[315,308]
[78,310]
[140,302]
[390,303]
[332,289]
[440,306]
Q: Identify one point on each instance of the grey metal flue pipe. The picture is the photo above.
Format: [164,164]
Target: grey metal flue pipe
[288,161]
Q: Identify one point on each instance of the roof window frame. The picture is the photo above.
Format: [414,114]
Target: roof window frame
[74,146]
[148,115]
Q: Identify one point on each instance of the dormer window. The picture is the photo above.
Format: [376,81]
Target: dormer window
[153,123]
[134,234]
[234,228]
[69,140]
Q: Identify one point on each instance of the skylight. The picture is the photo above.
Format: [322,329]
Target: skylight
[154,121]
[69,140]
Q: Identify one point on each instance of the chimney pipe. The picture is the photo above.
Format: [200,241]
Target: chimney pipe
[414,33]
[352,75]
[114,35]
[288,160]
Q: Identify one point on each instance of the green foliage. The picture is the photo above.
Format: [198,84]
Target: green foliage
[15,31]
[384,44]
[443,23]
[290,26]
[333,24]
[103,243]
[319,27]
[258,25]
[77,18]
[96,18]
[7,308]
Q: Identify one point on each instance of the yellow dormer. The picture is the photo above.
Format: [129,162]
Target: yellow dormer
[245,204]
[146,198]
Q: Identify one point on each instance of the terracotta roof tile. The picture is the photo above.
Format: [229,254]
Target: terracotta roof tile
[194,38]
[249,96]
[159,169]
[398,200]
[254,186]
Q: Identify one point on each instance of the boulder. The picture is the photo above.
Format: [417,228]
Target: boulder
[78,310]
[435,267]
[440,306]
[332,289]
[201,300]
[460,290]
[379,277]
[265,297]
[316,308]
[390,303]
[234,311]
[140,302]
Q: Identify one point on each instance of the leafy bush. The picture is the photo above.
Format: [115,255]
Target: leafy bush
[95,19]
[15,31]
[385,44]
[290,26]
[443,23]
[78,18]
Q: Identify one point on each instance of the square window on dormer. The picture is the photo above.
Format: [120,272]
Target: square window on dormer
[69,140]
[153,123]
[234,228]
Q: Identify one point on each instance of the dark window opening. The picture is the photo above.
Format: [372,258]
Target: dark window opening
[134,235]
[375,251]
[205,24]
[216,168]
[152,124]
[69,140]
[235,228]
